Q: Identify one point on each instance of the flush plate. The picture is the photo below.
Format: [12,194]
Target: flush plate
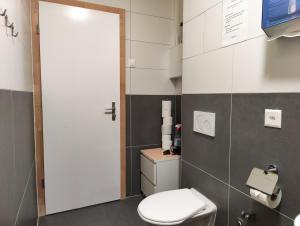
[204,122]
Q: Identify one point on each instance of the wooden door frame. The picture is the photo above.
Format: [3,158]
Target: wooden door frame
[38,109]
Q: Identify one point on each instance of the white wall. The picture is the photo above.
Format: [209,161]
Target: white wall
[253,66]
[15,53]
[150,32]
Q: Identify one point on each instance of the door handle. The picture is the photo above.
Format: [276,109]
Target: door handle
[111,111]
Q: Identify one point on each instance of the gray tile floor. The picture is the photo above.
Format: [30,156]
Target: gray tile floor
[119,213]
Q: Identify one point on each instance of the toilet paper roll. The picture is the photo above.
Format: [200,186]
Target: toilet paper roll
[166,130]
[166,105]
[166,138]
[166,145]
[166,108]
[266,199]
[167,121]
[166,113]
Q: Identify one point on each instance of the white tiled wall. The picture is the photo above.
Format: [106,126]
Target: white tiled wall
[124,4]
[208,73]
[253,66]
[150,32]
[152,29]
[151,82]
[15,54]
[193,37]
[157,8]
[150,55]
[193,8]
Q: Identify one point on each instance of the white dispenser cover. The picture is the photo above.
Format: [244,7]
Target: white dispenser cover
[170,206]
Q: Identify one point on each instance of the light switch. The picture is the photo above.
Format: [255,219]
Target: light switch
[273,118]
[132,63]
[204,122]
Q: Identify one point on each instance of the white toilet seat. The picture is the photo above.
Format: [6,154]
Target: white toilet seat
[174,207]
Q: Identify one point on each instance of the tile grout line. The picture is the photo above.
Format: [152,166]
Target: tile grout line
[15,90]
[149,42]
[14,147]
[24,193]
[149,68]
[150,15]
[230,136]
[205,172]
[203,12]
[222,47]
[162,45]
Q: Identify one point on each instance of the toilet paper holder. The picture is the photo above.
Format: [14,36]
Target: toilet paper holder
[263,186]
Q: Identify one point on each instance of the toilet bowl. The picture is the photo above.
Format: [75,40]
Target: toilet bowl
[175,207]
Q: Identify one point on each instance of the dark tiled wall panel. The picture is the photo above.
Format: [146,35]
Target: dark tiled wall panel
[7,215]
[254,145]
[17,174]
[207,162]
[145,124]
[213,189]
[210,154]
[143,131]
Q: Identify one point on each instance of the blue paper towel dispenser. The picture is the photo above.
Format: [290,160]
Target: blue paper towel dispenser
[281,18]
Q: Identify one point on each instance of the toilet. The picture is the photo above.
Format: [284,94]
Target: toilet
[176,207]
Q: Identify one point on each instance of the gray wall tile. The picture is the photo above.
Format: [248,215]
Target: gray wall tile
[23,134]
[209,154]
[128,120]
[6,160]
[28,209]
[128,172]
[254,145]
[16,158]
[146,118]
[213,189]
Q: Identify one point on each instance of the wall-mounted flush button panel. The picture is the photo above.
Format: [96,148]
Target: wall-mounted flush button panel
[204,122]
[273,118]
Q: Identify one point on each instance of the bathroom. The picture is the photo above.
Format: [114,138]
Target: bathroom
[215,79]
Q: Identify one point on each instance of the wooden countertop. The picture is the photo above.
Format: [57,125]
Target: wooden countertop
[156,155]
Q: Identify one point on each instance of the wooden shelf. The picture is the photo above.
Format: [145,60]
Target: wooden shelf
[156,155]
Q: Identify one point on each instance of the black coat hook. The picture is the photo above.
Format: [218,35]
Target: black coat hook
[3,13]
[11,26]
[8,24]
[13,33]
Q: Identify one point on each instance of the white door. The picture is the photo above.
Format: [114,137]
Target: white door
[80,69]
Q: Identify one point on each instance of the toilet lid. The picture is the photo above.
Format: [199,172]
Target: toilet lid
[171,206]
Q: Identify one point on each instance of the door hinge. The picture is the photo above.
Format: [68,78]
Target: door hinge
[43,183]
[38,29]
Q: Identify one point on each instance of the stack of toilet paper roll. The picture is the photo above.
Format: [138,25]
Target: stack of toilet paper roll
[166,128]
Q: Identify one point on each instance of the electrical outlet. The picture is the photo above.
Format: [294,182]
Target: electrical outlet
[273,118]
